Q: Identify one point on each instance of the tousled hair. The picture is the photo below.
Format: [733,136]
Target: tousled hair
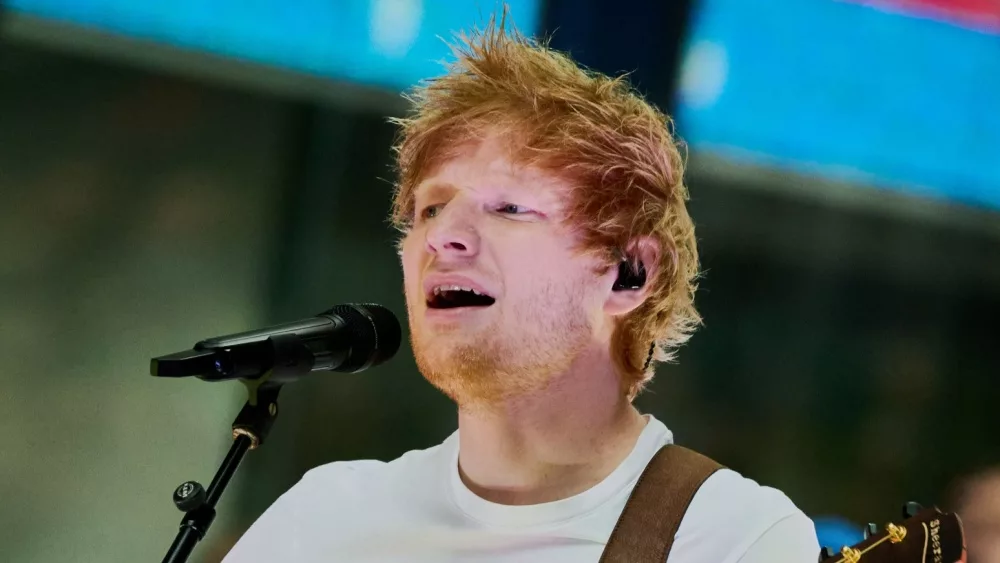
[616,150]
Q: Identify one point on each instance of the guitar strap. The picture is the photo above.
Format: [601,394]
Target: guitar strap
[646,528]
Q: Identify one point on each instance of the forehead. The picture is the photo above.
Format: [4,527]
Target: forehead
[490,167]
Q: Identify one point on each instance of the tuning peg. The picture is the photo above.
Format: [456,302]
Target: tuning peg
[911,509]
[827,553]
[870,530]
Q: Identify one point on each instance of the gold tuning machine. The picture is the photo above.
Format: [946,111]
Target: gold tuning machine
[896,533]
[851,555]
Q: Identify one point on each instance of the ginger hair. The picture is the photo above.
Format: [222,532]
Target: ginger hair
[616,150]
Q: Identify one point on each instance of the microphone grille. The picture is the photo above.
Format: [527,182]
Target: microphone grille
[377,334]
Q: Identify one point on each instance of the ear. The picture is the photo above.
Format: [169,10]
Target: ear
[646,251]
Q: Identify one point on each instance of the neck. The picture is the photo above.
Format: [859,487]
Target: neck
[551,444]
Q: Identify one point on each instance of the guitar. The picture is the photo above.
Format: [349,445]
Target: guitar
[925,536]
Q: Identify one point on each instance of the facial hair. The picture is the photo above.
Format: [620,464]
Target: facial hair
[519,353]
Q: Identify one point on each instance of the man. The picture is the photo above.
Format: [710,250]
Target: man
[548,261]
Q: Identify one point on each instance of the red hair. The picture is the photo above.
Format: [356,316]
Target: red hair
[617,150]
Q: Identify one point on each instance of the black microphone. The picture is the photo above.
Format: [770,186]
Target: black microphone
[347,338]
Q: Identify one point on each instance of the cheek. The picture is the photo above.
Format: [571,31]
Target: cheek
[531,264]
[543,273]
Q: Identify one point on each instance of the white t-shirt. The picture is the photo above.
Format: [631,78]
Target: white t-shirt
[416,509]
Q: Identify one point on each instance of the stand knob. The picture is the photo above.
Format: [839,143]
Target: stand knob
[189,496]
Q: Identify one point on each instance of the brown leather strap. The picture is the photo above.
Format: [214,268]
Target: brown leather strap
[645,531]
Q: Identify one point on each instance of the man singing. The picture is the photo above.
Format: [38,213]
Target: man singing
[549,262]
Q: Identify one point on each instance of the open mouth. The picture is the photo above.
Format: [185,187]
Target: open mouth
[453,297]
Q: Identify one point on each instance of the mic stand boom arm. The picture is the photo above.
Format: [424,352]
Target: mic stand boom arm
[250,429]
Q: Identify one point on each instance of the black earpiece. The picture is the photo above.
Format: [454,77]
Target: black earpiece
[629,278]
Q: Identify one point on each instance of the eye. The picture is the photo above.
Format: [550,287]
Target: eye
[512,209]
[430,211]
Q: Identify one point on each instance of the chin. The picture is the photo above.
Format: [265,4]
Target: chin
[462,366]
[448,348]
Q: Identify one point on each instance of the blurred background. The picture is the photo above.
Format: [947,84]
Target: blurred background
[178,170]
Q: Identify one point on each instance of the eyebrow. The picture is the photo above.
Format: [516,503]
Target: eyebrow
[429,190]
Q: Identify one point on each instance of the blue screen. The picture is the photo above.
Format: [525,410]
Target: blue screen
[390,43]
[863,93]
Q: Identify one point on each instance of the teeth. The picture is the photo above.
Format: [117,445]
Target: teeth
[438,289]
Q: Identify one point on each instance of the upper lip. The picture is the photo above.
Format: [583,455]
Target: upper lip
[436,280]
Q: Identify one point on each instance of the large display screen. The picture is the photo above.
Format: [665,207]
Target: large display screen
[900,94]
[390,43]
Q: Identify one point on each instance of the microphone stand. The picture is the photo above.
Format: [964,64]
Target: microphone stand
[250,428]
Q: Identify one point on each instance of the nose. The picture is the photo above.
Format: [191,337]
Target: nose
[453,233]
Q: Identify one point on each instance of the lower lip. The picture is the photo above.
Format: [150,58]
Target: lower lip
[454,313]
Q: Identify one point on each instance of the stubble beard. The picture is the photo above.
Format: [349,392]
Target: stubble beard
[504,360]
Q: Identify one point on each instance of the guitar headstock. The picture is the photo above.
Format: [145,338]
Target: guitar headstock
[925,536]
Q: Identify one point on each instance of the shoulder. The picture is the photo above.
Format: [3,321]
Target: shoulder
[731,516]
[728,494]
[342,502]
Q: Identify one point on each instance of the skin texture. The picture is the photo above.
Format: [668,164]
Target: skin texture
[542,414]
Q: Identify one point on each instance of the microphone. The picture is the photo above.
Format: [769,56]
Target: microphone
[347,338]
